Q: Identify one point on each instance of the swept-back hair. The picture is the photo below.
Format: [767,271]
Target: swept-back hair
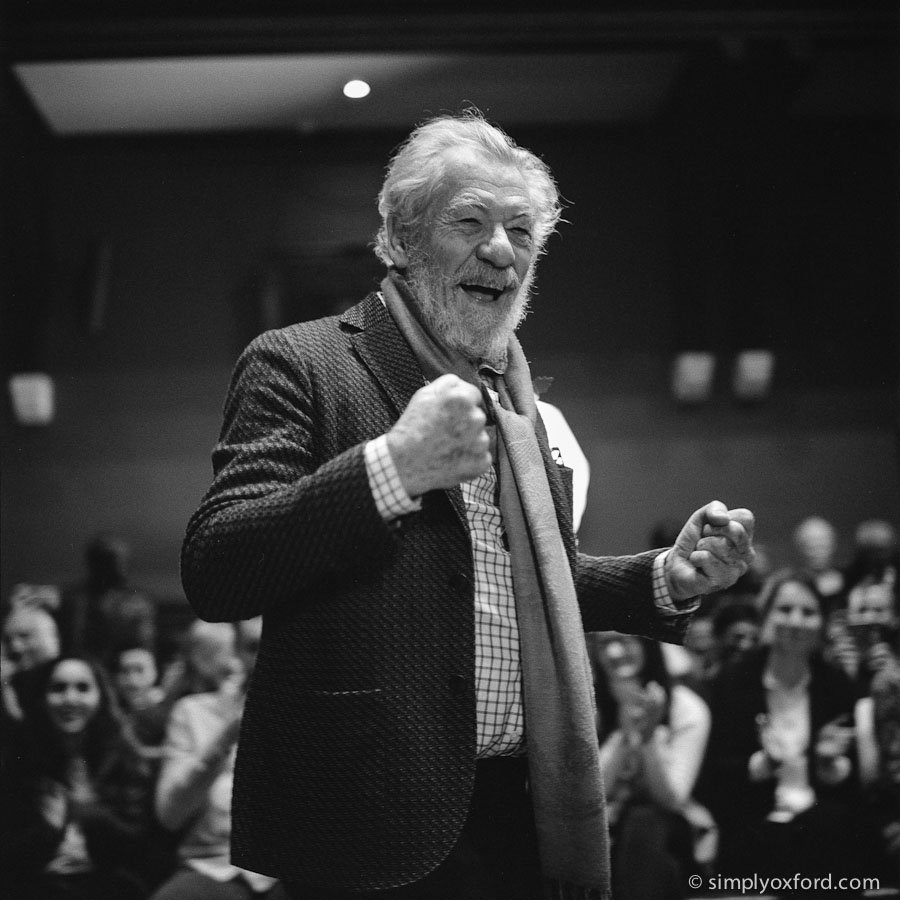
[417,169]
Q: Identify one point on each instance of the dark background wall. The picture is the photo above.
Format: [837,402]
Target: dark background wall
[678,237]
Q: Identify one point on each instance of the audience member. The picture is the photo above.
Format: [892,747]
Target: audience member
[105,613]
[567,451]
[206,657]
[873,619]
[736,628]
[700,653]
[77,816]
[652,738]
[135,675]
[815,541]
[878,728]
[778,775]
[875,551]
[30,637]
[193,793]
[862,636]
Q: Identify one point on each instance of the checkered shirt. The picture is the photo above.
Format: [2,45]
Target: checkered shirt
[498,684]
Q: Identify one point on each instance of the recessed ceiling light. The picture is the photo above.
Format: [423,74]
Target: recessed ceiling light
[356,89]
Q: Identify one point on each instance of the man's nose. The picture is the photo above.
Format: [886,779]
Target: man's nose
[496,248]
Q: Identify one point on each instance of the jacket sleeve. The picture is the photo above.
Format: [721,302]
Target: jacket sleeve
[279,519]
[615,593]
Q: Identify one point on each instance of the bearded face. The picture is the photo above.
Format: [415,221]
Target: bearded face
[470,259]
[476,320]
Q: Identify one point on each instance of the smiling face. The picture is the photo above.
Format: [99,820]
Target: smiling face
[621,656]
[471,264]
[795,620]
[30,637]
[72,696]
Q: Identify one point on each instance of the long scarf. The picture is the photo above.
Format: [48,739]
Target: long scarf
[563,758]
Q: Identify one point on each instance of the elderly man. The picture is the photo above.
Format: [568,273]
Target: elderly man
[420,720]
[30,636]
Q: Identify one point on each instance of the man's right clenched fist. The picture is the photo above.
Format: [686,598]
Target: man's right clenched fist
[440,440]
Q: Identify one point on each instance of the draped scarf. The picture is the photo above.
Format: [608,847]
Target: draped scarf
[565,781]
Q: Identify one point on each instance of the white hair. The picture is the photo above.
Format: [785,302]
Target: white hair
[417,168]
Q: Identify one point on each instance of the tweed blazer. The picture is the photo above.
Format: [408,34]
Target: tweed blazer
[356,759]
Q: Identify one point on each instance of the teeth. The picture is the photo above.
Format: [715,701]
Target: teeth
[482,293]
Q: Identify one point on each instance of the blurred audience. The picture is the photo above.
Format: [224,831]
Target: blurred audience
[77,815]
[135,676]
[779,775]
[700,653]
[862,636]
[144,704]
[193,793]
[207,656]
[652,738]
[875,551]
[736,628]
[793,679]
[815,542]
[104,613]
[878,730]
[30,637]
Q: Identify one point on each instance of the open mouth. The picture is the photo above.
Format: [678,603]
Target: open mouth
[481,293]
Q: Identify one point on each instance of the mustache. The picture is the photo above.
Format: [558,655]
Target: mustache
[489,277]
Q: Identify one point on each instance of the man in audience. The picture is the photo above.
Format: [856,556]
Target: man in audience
[193,792]
[105,613]
[815,541]
[30,637]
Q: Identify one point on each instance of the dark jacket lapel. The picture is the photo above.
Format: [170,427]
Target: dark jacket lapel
[384,351]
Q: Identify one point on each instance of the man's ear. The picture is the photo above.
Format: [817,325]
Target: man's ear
[397,244]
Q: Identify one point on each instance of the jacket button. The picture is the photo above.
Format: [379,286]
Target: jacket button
[461,582]
[457,684]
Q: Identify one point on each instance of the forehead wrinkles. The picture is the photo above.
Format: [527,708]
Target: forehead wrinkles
[470,179]
[505,211]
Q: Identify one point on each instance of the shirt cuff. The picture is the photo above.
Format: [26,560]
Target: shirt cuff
[665,603]
[390,496]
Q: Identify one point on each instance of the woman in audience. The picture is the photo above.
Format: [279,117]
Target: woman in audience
[779,776]
[78,794]
[652,738]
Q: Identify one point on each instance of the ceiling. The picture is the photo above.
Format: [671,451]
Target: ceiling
[94,68]
[304,91]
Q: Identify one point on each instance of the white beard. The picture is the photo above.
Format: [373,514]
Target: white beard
[479,331]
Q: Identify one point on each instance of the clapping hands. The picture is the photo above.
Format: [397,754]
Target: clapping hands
[641,709]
